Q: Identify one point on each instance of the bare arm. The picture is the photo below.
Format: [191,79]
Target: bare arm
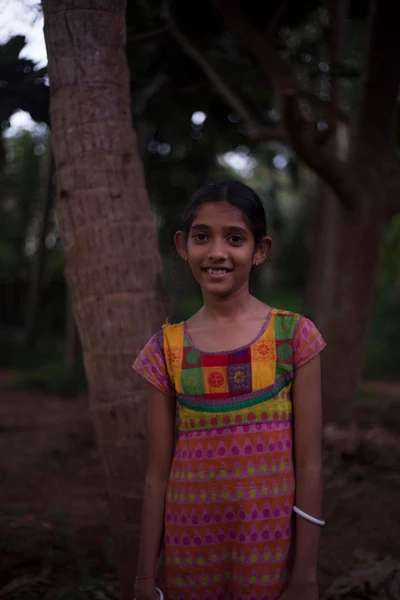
[307,406]
[161,427]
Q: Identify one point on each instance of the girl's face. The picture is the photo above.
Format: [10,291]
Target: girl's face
[221,249]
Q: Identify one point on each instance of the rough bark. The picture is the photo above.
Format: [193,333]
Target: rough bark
[113,268]
[346,326]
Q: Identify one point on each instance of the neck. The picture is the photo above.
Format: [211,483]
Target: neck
[227,308]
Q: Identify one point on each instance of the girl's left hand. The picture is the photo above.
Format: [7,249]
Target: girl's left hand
[300,591]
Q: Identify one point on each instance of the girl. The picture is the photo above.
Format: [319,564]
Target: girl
[244,379]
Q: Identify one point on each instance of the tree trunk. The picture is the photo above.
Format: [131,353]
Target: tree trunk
[320,278]
[346,327]
[110,240]
[319,291]
[36,283]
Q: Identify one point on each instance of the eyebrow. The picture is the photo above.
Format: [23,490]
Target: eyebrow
[228,228]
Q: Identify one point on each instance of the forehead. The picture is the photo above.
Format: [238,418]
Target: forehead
[215,214]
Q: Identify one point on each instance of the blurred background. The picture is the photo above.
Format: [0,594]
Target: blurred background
[54,535]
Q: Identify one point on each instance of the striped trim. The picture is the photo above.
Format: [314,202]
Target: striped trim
[245,401]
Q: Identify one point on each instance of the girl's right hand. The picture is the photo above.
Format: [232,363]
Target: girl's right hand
[146,590]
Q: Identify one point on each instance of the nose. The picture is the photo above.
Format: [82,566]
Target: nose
[217,250]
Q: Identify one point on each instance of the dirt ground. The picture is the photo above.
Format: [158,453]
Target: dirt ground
[54,538]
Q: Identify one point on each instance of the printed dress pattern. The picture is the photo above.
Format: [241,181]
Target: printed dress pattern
[228,515]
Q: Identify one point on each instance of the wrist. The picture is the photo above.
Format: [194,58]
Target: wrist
[144,579]
[145,585]
[304,575]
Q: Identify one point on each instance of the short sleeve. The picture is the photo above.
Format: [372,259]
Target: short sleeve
[151,365]
[307,343]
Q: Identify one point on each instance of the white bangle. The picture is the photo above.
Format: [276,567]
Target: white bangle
[308,517]
[160,593]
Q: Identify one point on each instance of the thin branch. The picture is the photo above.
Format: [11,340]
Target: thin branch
[146,35]
[258,130]
[270,61]
[272,25]
[301,133]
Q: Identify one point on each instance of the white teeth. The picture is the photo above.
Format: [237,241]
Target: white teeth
[217,271]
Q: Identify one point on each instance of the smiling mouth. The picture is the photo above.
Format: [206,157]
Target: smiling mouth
[213,271]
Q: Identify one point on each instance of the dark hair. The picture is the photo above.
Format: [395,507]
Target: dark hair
[236,193]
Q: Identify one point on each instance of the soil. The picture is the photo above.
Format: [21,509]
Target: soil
[54,515]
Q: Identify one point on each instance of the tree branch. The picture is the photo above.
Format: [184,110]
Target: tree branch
[325,163]
[375,131]
[258,130]
[273,24]
[271,63]
[302,134]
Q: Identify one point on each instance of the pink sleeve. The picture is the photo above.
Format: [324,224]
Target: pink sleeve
[308,342]
[151,365]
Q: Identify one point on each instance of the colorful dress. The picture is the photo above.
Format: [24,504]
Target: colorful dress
[228,514]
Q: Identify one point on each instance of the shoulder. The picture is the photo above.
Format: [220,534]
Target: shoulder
[289,318]
[299,331]
[172,326]
[296,327]
[286,323]
[172,335]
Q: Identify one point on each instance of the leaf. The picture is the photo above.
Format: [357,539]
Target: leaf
[11,50]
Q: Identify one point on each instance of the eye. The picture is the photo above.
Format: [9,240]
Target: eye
[236,240]
[200,237]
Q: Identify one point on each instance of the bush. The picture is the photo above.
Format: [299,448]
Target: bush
[52,378]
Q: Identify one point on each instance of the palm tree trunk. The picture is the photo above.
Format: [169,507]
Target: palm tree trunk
[113,267]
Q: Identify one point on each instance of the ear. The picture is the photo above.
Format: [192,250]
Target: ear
[180,244]
[262,251]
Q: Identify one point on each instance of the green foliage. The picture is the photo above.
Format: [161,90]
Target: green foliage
[53,378]
[15,353]
[23,183]
[383,357]
[23,86]
[20,184]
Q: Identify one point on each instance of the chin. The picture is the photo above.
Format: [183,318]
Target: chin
[218,291]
